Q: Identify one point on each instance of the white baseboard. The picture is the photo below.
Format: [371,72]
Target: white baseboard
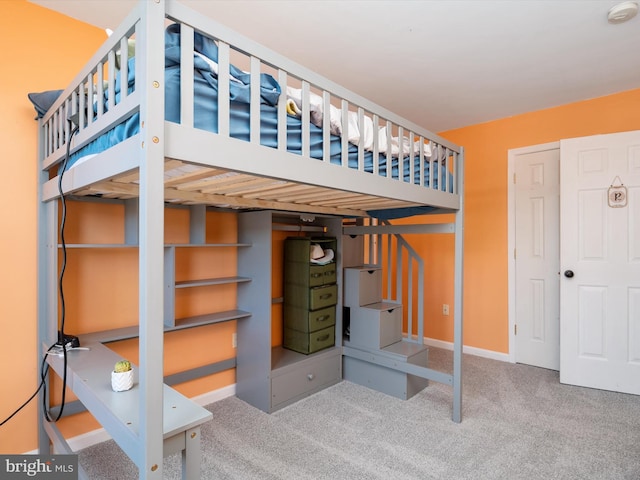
[479,352]
[100,435]
[215,395]
[88,439]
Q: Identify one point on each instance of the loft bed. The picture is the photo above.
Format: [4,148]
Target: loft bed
[213,119]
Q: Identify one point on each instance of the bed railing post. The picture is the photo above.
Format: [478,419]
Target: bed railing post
[223,89]
[344,155]
[150,72]
[458,294]
[282,111]
[254,113]
[186,75]
[306,129]
[47,262]
[326,126]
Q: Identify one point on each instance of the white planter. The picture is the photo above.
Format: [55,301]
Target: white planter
[121,381]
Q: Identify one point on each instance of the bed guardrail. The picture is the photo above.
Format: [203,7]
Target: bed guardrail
[399,148]
[399,145]
[90,103]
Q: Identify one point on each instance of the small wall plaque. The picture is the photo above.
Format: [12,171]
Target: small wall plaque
[617,194]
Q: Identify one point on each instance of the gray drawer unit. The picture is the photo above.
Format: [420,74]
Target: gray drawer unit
[362,285]
[386,380]
[377,325]
[304,378]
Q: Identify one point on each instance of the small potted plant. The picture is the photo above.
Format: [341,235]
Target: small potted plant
[122,376]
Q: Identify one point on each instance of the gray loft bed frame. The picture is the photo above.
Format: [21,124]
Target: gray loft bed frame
[158,166]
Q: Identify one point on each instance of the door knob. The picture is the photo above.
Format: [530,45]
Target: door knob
[568,273]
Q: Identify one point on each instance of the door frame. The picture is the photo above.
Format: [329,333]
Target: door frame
[511,234]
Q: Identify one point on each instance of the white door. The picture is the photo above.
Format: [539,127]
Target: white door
[537,258]
[600,262]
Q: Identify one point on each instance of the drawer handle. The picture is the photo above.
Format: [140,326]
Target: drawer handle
[370,272]
[323,318]
[310,376]
[316,275]
[332,272]
[326,296]
[324,337]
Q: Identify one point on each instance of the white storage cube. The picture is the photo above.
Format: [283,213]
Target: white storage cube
[362,285]
[377,325]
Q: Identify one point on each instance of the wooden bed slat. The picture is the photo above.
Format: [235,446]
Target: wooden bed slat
[248,184]
[184,179]
[270,184]
[318,194]
[289,196]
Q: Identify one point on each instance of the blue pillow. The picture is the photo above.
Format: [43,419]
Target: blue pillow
[42,101]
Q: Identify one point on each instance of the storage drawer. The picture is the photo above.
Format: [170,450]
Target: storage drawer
[377,325]
[321,297]
[387,380]
[362,286]
[311,321]
[304,380]
[306,343]
[322,274]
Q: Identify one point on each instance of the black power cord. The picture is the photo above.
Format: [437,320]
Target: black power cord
[64,341]
[43,372]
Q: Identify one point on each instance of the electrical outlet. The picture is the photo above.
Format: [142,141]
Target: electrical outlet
[234,340]
[445,309]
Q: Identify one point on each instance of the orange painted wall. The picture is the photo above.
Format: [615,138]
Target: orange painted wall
[32,62]
[486,150]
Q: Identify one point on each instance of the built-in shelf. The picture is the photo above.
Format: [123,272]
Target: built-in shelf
[176,245]
[208,319]
[88,369]
[210,281]
[207,245]
[97,245]
[269,378]
[125,333]
[171,285]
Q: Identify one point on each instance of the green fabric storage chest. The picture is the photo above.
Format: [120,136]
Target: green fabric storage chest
[309,342]
[310,295]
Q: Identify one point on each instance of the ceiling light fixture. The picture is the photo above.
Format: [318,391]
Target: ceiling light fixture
[622,12]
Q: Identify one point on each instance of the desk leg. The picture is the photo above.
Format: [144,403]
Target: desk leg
[191,455]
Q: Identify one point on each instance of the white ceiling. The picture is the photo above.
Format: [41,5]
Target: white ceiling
[440,63]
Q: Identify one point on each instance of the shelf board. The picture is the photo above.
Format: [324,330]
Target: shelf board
[207,245]
[98,245]
[211,281]
[135,245]
[208,319]
[126,333]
